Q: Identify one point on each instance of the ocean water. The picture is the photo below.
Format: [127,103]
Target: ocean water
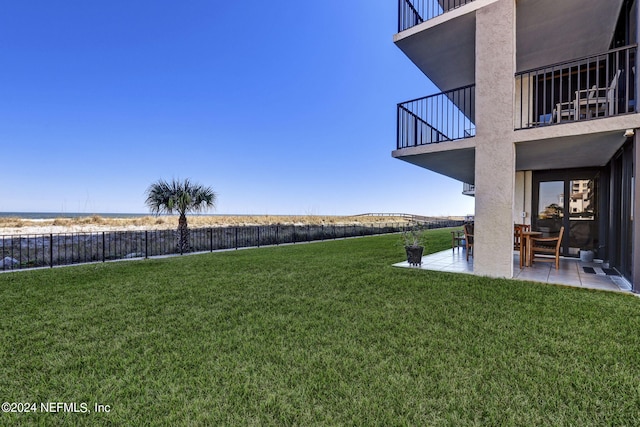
[53,215]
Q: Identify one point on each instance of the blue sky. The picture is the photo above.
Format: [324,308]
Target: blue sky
[282,107]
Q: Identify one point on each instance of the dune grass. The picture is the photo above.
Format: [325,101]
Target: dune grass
[171,221]
[314,334]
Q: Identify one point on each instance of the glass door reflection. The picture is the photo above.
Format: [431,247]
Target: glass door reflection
[570,200]
[583,224]
[550,216]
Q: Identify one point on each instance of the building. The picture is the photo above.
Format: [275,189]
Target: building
[537,114]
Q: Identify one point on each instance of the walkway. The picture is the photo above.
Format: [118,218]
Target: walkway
[571,272]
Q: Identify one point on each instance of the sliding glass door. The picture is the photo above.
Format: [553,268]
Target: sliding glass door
[622,185]
[568,199]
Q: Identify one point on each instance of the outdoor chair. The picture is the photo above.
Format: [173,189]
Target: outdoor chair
[564,111]
[589,103]
[468,238]
[517,235]
[546,246]
[598,101]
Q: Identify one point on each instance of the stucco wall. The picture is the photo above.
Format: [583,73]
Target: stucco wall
[495,150]
[522,198]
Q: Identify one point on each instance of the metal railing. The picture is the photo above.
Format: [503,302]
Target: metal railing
[414,12]
[51,250]
[419,219]
[592,87]
[437,118]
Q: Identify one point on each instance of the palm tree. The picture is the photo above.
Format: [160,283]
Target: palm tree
[179,197]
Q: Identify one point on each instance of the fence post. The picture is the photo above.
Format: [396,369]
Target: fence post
[236,228]
[258,236]
[146,244]
[51,250]
[277,234]
[103,246]
[210,239]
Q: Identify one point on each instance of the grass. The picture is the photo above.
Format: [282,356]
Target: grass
[314,334]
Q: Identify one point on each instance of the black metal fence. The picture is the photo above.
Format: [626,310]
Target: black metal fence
[445,116]
[50,250]
[414,12]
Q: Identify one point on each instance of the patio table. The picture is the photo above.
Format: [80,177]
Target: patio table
[525,247]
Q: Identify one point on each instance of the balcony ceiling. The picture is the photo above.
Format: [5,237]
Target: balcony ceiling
[458,164]
[548,32]
[577,151]
[552,31]
[444,53]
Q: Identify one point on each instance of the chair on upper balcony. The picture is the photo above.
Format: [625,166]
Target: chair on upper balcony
[564,111]
[597,101]
[589,103]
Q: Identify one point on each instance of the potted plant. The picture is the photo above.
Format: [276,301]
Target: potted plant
[414,239]
[586,255]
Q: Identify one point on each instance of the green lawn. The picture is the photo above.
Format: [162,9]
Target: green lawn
[314,334]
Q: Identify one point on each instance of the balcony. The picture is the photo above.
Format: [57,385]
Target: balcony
[589,88]
[414,12]
[446,116]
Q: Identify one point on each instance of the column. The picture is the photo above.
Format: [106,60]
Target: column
[495,150]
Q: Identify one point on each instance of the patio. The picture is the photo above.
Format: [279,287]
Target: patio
[571,272]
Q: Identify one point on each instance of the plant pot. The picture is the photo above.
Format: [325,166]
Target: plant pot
[414,254]
[586,256]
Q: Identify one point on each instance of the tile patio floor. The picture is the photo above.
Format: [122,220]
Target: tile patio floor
[570,273]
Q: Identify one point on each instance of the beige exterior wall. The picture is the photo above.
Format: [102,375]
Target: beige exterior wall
[616,124]
[523,116]
[495,150]
[522,198]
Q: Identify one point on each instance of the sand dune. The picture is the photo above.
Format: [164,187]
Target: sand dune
[95,223]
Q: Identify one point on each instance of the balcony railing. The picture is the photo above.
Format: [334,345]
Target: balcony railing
[414,12]
[468,189]
[437,118]
[588,88]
